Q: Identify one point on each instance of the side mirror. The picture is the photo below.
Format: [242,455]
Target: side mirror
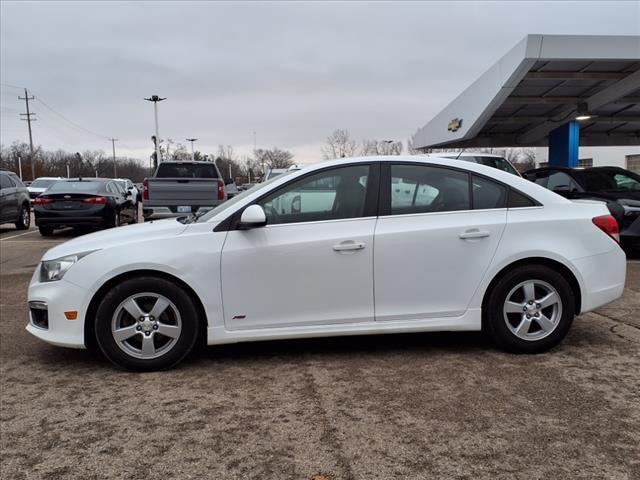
[252,217]
[228,181]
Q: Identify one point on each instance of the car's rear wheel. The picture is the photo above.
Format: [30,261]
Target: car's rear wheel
[146,323]
[530,309]
[25,218]
[46,231]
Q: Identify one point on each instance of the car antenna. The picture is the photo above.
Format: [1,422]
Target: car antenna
[461,153]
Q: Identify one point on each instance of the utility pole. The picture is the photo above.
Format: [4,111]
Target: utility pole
[191,140]
[26,98]
[155,99]
[113,147]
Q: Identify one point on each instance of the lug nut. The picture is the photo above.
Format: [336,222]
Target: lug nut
[147,333]
[528,316]
[537,314]
[530,302]
[141,319]
[537,305]
[524,309]
[138,327]
[155,327]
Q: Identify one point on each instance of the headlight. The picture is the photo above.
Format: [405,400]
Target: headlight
[51,270]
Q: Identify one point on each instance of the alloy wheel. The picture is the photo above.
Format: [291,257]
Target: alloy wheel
[532,310]
[146,325]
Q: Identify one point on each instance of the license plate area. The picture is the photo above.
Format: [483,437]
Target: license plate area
[184,209]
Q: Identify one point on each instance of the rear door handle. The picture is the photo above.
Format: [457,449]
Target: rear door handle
[348,245]
[475,233]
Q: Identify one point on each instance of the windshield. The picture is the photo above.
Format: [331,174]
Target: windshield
[43,183]
[186,170]
[83,186]
[495,162]
[238,198]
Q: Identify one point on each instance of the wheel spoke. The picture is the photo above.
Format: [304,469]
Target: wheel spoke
[170,331]
[529,291]
[160,306]
[513,307]
[148,346]
[545,323]
[550,299]
[133,308]
[123,334]
[524,327]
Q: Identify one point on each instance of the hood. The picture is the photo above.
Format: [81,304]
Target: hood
[116,237]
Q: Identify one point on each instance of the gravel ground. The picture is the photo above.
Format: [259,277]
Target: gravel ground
[386,407]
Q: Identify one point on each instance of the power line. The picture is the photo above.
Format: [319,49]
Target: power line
[71,121]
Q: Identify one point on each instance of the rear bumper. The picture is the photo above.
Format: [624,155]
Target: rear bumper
[603,278]
[94,216]
[157,213]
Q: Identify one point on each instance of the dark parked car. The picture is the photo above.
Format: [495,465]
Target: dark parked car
[14,201]
[618,187]
[92,202]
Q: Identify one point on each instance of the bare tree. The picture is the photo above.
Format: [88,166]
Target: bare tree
[381,147]
[273,158]
[339,145]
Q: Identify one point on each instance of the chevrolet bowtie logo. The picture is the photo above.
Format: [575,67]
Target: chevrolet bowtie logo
[454,125]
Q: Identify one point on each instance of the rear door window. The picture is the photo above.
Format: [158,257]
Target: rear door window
[5,182]
[488,194]
[426,189]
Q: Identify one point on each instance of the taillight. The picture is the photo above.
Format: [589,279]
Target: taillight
[42,201]
[220,190]
[145,189]
[608,225]
[95,200]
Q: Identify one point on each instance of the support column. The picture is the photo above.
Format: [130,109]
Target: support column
[564,144]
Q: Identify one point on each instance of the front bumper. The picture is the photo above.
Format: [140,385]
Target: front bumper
[59,296]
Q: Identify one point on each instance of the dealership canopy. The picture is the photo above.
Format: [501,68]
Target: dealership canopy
[555,90]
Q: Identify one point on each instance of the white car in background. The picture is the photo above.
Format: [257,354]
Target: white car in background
[488,159]
[39,185]
[129,186]
[461,247]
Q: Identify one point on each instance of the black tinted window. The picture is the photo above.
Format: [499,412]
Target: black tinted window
[84,186]
[186,170]
[424,189]
[518,200]
[5,182]
[488,194]
[329,195]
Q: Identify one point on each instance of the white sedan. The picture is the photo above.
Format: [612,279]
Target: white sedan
[346,247]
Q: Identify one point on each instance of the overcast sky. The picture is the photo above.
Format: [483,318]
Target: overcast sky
[290,71]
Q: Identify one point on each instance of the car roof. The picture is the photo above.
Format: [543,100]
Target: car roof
[463,154]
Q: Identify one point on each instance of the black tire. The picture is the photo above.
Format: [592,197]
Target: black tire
[46,231]
[496,320]
[184,343]
[25,217]
[115,221]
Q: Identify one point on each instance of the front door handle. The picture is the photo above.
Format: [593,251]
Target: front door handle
[474,233]
[348,245]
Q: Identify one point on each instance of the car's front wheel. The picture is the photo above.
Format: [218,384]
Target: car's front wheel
[530,309]
[146,323]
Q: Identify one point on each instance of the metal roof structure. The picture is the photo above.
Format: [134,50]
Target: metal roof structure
[546,81]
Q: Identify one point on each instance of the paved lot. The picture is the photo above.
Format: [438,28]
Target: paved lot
[405,406]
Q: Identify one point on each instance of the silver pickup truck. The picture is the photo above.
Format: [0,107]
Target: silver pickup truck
[182,188]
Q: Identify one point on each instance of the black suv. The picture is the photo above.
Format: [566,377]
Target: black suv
[617,187]
[14,201]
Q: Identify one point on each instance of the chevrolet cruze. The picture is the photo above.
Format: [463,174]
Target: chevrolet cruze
[346,247]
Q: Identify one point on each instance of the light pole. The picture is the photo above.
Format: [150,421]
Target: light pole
[113,146]
[191,140]
[155,99]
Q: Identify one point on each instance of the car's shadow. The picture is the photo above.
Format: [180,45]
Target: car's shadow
[285,350]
